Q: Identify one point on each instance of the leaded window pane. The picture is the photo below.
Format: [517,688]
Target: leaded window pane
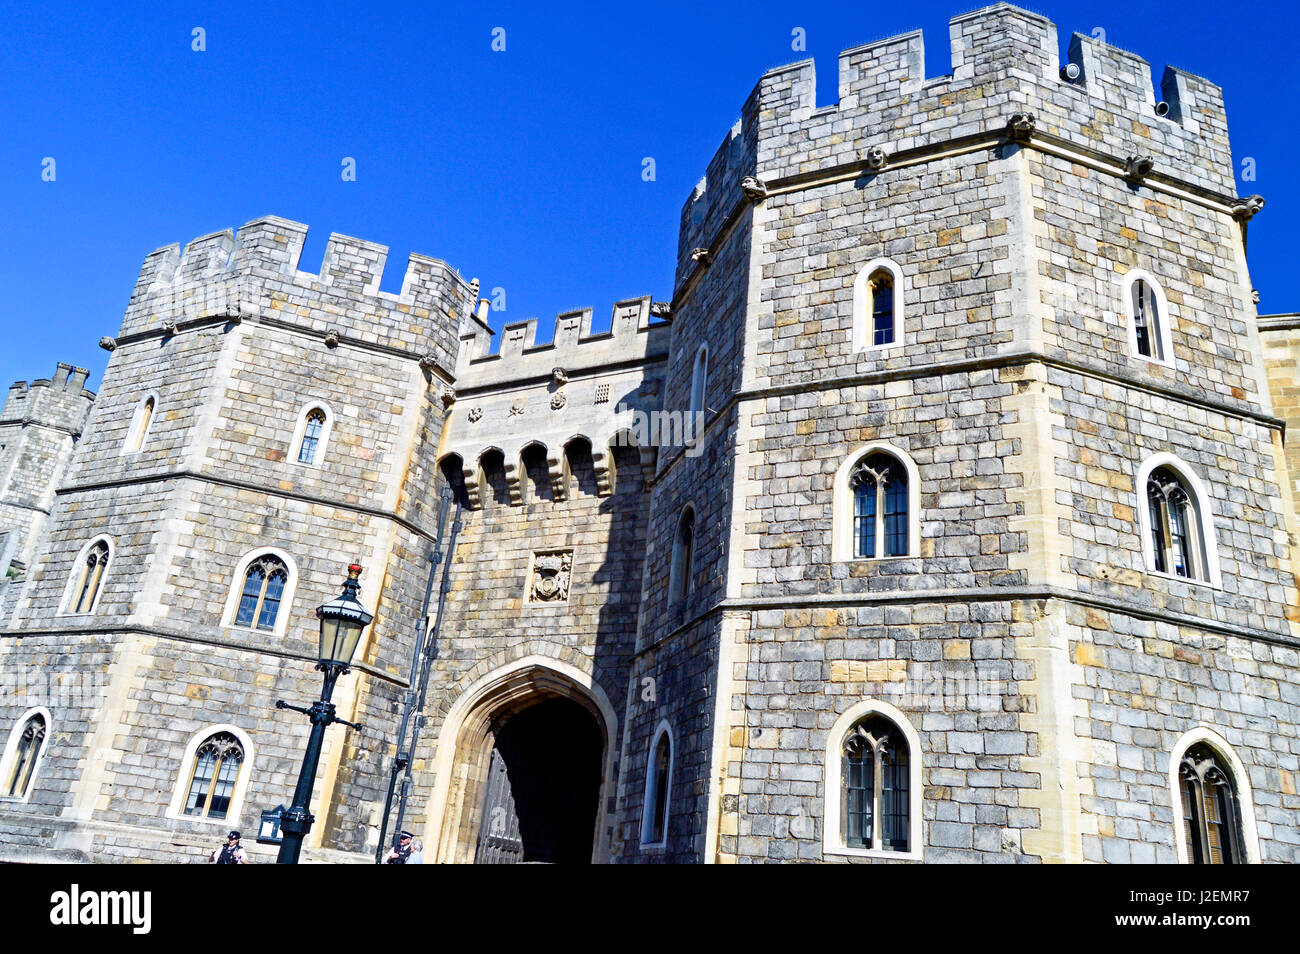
[893,818]
[864,519]
[1141,322]
[252,593]
[271,602]
[896,513]
[311,437]
[1158,534]
[1179,535]
[860,788]
[205,764]
[882,308]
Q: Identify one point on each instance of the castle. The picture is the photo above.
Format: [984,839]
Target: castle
[943,514]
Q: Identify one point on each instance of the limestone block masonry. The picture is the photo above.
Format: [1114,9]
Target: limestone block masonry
[696,606]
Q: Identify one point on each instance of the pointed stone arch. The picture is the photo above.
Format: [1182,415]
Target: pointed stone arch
[465,743]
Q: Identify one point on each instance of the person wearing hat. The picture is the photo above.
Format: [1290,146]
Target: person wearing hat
[231,853]
[400,853]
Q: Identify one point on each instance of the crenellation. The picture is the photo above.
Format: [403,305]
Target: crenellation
[634,336]
[253,273]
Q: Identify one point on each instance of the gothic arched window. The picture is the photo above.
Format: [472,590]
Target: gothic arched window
[681,570]
[879,309]
[1177,539]
[699,381]
[1210,809]
[659,774]
[880,502]
[1148,314]
[88,576]
[217,763]
[26,752]
[265,580]
[876,788]
[311,436]
[140,423]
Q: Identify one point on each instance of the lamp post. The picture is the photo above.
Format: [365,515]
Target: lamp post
[341,621]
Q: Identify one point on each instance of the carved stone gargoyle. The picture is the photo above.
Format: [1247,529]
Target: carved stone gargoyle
[107,343]
[331,338]
[1137,168]
[877,158]
[1020,127]
[701,255]
[1243,210]
[754,188]
[661,309]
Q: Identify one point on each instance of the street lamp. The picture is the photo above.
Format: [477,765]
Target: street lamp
[341,621]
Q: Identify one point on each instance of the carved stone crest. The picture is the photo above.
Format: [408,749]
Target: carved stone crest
[551,572]
[475,415]
[558,400]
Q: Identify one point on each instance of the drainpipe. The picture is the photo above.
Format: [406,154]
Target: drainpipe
[402,759]
[431,653]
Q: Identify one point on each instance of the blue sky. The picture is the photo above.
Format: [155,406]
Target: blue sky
[522,168]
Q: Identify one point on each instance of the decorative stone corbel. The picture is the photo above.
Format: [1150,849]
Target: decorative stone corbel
[755,189]
[427,363]
[1137,168]
[107,343]
[701,255]
[559,473]
[331,338]
[1243,210]
[448,397]
[877,158]
[1020,127]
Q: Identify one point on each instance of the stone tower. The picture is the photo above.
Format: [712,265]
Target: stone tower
[1046,677]
[39,426]
[189,467]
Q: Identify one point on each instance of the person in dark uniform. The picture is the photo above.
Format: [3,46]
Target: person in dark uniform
[400,853]
[231,853]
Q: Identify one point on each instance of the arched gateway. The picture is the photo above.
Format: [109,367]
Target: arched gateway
[524,768]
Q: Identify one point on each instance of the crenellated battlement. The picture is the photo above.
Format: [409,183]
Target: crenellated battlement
[633,337]
[252,273]
[1004,60]
[61,401]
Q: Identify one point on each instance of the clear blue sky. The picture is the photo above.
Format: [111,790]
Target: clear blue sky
[521,168]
